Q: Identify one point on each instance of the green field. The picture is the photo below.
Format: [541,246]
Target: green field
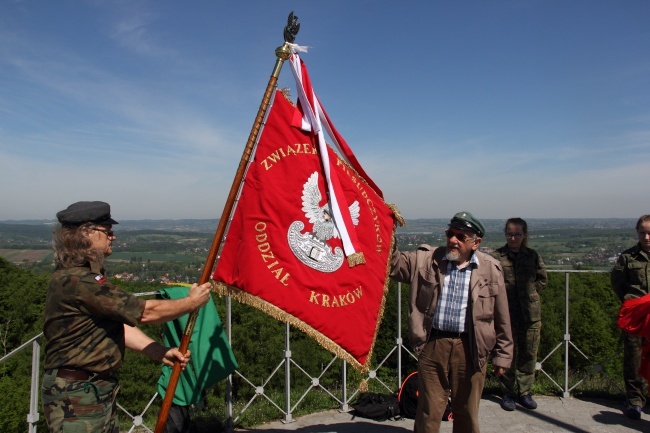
[127,256]
[25,255]
[562,244]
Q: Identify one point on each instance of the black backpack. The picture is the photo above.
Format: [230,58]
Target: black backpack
[407,399]
[378,407]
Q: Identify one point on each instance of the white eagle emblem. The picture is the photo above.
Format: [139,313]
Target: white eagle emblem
[321,216]
[311,248]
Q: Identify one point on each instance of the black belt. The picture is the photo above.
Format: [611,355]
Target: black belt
[437,333]
[80,375]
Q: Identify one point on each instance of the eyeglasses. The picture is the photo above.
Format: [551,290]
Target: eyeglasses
[514,235]
[108,233]
[460,236]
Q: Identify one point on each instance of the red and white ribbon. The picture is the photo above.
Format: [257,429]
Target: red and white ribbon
[313,119]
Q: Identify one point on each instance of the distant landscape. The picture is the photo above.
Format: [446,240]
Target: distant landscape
[149,254]
[175,250]
[562,243]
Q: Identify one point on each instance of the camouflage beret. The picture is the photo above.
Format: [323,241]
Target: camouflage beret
[81,212]
[466,221]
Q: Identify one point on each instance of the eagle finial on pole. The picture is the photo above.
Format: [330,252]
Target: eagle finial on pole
[291,29]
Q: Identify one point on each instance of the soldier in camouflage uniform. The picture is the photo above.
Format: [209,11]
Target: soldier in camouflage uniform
[89,322]
[525,277]
[630,280]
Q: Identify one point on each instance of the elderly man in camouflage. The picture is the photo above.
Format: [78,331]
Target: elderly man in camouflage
[630,280]
[458,318]
[89,322]
[525,276]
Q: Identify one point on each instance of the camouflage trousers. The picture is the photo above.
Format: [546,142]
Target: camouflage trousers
[519,379]
[634,383]
[73,406]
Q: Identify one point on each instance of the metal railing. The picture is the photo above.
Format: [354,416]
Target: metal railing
[341,397]
[568,344]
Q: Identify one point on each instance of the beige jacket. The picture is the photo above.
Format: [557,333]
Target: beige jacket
[489,323]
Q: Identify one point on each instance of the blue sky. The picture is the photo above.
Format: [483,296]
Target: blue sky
[538,109]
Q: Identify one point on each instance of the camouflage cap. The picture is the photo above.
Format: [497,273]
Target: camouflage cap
[466,221]
[81,212]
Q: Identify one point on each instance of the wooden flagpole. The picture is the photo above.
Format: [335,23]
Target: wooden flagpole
[282,53]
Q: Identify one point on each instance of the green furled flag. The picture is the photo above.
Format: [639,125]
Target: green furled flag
[211,358]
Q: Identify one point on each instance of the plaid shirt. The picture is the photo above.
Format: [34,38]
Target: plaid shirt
[452,306]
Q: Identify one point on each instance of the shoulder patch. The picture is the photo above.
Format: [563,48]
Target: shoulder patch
[100,278]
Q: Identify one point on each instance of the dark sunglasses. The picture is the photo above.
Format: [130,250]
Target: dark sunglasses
[108,233]
[459,235]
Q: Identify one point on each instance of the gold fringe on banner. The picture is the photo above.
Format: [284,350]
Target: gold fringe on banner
[281,315]
[396,214]
[363,385]
[356,259]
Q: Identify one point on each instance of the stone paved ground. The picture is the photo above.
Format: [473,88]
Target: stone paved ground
[553,414]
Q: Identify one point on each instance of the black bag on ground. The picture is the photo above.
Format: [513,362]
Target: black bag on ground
[407,399]
[378,407]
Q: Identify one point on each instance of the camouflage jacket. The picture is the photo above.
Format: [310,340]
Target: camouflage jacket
[84,320]
[525,277]
[630,274]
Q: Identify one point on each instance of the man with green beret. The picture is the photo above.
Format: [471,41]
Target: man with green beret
[458,319]
[88,323]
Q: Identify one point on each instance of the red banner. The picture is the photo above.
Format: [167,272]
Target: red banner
[283,251]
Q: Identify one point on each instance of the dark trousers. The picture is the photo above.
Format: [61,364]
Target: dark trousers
[519,379]
[634,391]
